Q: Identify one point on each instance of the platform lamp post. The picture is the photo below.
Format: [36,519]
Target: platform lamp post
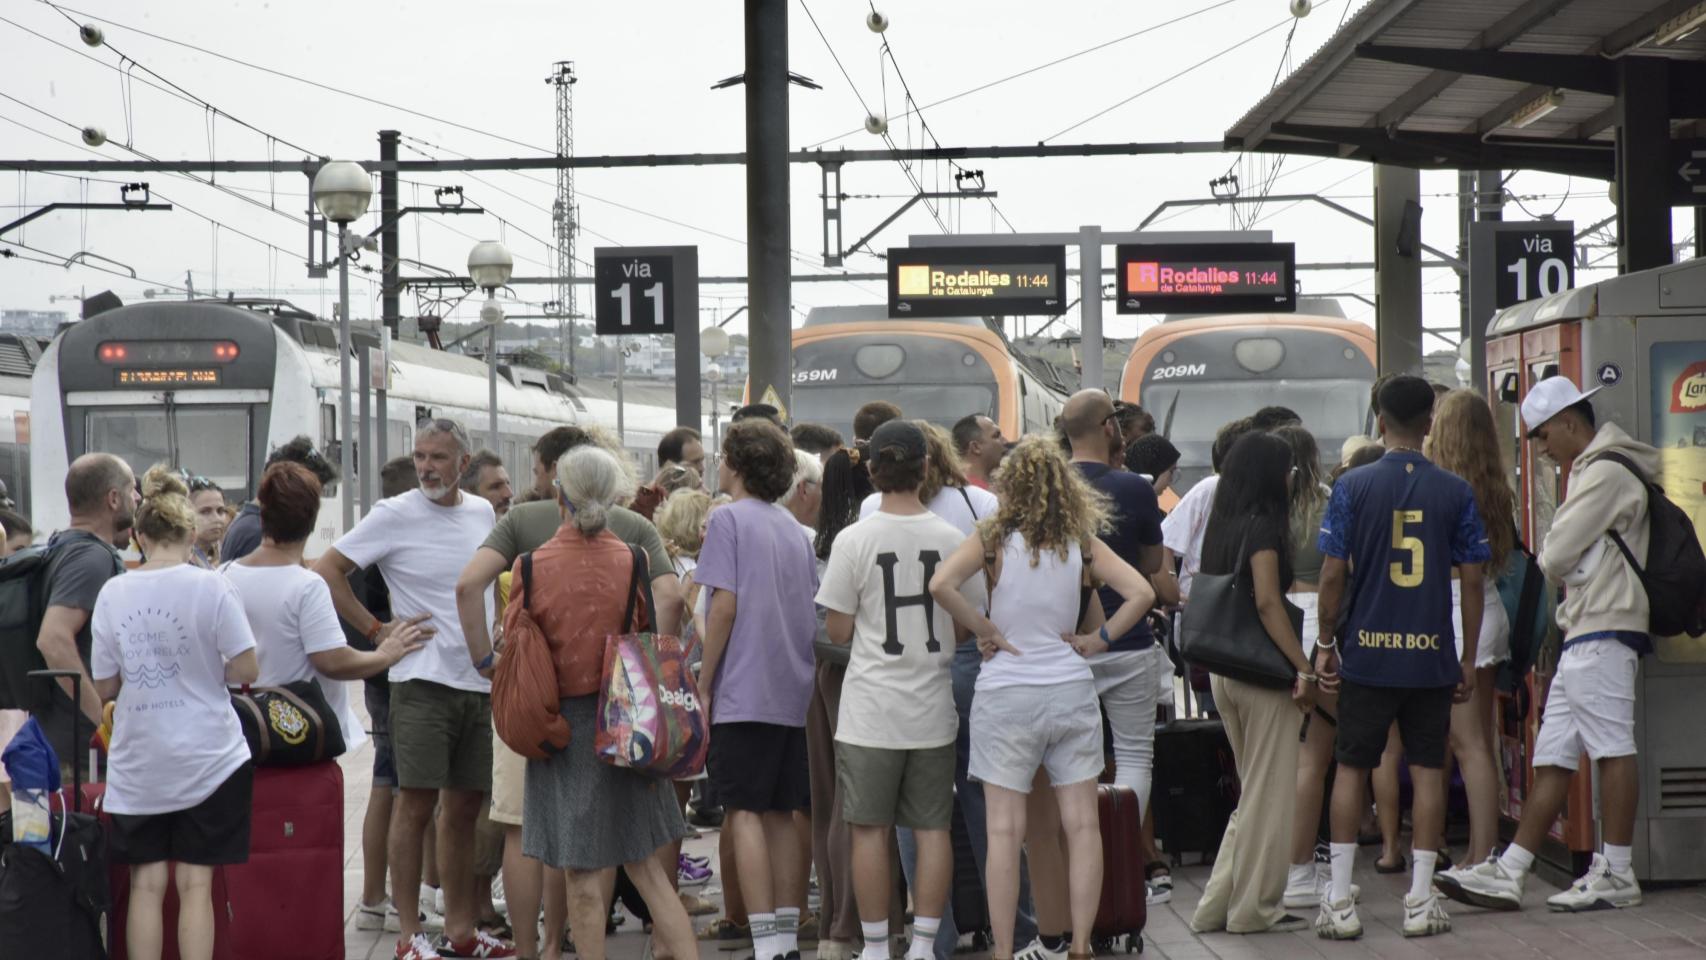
[490,266]
[714,343]
[342,191]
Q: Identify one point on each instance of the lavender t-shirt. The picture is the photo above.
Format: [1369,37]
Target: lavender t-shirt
[755,551]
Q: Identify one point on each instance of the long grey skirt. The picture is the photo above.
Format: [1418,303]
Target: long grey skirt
[583,814]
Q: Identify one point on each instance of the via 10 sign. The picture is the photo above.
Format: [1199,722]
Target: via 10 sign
[1532,263]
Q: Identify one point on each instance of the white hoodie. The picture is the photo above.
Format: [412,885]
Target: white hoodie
[1607,597]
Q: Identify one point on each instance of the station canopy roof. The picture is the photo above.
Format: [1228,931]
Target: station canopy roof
[1479,84]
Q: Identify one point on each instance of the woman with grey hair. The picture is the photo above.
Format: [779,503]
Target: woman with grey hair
[580,814]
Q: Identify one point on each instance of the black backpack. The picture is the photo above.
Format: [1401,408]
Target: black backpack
[23,602]
[1675,574]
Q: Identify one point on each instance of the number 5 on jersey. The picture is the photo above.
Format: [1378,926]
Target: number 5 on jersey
[1407,544]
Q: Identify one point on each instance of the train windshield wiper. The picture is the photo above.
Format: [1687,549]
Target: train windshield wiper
[1167,421]
[170,400]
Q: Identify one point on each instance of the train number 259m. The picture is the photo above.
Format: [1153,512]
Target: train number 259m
[814,376]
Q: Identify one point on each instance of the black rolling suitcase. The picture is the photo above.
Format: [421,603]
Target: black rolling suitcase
[54,905]
[1196,787]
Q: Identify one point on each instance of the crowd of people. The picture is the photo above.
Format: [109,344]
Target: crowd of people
[892,631]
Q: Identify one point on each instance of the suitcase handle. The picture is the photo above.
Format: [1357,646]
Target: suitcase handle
[76,678]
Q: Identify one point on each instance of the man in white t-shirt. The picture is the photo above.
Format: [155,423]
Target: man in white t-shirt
[441,714]
[897,725]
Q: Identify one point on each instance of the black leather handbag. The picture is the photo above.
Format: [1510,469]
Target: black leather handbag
[288,725]
[1222,632]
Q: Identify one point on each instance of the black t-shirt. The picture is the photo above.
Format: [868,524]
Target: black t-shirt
[82,564]
[1256,535]
[369,587]
[1137,524]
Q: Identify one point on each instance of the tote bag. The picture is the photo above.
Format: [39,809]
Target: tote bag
[650,717]
[1222,632]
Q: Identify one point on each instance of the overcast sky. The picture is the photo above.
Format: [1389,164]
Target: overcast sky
[646,70]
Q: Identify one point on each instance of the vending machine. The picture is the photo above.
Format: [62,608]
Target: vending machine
[1642,337]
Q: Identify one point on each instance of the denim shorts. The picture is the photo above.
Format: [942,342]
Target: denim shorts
[379,713]
[1015,730]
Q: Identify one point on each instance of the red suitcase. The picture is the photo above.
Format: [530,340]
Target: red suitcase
[1124,907]
[296,844]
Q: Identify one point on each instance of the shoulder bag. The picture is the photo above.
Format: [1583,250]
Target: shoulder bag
[288,725]
[1222,632]
[650,717]
[525,710]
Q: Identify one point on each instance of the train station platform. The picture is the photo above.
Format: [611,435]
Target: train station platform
[1670,924]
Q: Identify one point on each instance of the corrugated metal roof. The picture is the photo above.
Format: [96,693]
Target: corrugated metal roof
[1336,88]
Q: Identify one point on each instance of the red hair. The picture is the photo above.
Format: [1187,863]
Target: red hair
[290,502]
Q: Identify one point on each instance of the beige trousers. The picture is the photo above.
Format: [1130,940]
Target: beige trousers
[1244,891]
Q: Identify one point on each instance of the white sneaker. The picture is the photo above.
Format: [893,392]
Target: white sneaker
[1305,896]
[1601,888]
[378,916]
[1425,917]
[1338,921]
[498,900]
[1487,884]
[1035,950]
[1157,894]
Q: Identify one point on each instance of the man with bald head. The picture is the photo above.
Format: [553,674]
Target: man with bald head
[1126,675]
[100,490]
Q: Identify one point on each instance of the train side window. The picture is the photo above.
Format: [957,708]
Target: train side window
[399,439]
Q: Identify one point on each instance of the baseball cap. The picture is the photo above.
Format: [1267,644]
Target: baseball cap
[1550,397]
[899,433]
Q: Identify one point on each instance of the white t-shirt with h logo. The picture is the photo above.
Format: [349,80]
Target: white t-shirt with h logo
[898,694]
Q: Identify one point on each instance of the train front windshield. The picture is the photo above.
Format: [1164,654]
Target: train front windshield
[1192,413]
[934,378]
[210,441]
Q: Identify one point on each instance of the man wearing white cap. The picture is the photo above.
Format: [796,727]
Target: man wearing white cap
[1604,619]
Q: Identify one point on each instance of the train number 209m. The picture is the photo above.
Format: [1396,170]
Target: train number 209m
[814,376]
[1179,371]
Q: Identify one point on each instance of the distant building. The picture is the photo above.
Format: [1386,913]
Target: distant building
[32,323]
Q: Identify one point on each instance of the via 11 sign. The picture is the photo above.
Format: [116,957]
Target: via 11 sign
[645,290]
[1533,260]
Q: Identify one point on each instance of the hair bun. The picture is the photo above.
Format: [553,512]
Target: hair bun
[162,481]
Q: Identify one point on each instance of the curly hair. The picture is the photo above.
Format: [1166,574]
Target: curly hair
[762,456]
[679,519]
[165,515]
[942,467]
[1466,442]
[1046,500]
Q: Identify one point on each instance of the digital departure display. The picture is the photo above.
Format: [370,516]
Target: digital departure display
[961,281]
[200,377]
[174,352]
[1207,278]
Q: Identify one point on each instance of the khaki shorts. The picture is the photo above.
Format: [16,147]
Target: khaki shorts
[441,737]
[509,782]
[904,788]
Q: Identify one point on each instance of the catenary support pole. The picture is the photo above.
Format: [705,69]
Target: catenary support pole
[769,295]
[1397,276]
[346,445]
[1090,307]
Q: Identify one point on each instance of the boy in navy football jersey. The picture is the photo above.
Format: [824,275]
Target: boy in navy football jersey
[1398,527]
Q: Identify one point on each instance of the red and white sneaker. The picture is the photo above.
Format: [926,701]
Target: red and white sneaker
[417,947]
[482,945]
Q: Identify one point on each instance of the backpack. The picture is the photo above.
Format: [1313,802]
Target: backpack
[525,711]
[23,602]
[1528,602]
[1676,567]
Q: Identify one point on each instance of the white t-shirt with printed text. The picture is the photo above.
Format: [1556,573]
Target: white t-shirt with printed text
[898,694]
[290,611]
[420,548]
[168,634]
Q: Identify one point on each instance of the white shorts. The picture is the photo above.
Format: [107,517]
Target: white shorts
[1015,730]
[1591,706]
[1311,607]
[1494,644]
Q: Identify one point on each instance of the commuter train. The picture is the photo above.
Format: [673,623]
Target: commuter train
[935,370]
[1193,375]
[18,356]
[215,385]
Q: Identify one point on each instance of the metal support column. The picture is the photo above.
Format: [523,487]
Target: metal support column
[364,465]
[1489,205]
[1397,276]
[1090,307]
[1643,163]
[769,295]
[390,293]
[689,400]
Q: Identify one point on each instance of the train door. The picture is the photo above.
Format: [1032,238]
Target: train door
[1515,364]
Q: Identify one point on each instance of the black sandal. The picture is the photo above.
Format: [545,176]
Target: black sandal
[1154,867]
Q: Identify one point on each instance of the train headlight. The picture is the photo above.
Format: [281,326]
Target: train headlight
[879,361]
[1258,354]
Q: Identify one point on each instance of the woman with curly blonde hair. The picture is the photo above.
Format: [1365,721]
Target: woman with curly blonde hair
[1465,442]
[1036,705]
